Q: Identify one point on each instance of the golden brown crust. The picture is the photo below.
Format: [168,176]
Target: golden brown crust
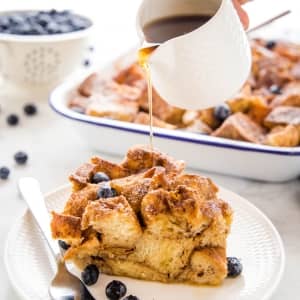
[273,82]
[78,200]
[144,118]
[142,157]
[163,225]
[240,127]
[283,136]
[290,95]
[82,176]
[115,220]
[66,228]
[283,115]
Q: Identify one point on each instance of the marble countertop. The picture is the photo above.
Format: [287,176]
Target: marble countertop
[54,149]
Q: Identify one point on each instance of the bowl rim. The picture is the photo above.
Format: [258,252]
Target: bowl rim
[59,37]
[57,101]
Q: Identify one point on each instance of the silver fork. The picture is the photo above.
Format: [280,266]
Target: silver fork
[64,285]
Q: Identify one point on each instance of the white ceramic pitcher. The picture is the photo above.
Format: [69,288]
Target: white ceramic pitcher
[204,67]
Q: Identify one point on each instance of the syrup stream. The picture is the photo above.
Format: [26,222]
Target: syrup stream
[143,56]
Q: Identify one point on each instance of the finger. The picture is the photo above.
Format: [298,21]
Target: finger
[242,14]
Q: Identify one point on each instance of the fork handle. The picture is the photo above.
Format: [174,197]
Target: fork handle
[31,193]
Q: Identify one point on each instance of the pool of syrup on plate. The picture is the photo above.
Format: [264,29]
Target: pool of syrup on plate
[160,31]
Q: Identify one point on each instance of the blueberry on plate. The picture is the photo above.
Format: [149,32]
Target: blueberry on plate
[90,275]
[30,109]
[12,119]
[234,267]
[63,245]
[106,191]
[100,177]
[275,89]
[21,158]
[130,297]
[85,294]
[115,290]
[4,173]
[270,45]
[222,112]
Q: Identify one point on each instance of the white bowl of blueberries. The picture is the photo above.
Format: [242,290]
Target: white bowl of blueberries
[42,47]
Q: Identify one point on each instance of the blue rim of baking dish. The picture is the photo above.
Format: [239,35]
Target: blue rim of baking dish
[182,136]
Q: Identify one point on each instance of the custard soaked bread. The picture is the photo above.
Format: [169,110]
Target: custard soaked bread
[273,87]
[145,218]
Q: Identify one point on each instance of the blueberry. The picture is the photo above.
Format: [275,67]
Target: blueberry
[234,267]
[52,27]
[63,245]
[86,62]
[52,11]
[62,19]
[130,297]
[84,293]
[43,19]
[65,28]
[37,29]
[4,173]
[79,23]
[30,109]
[115,290]
[275,89]
[17,19]
[4,22]
[23,28]
[222,112]
[105,191]
[91,48]
[12,119]
[100,177]
[90,275]
[21,158]
[270,45]
[65,12]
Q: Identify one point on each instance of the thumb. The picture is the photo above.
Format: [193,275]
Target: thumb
[242,13]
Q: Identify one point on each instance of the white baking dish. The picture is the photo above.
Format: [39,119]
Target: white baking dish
[199,151]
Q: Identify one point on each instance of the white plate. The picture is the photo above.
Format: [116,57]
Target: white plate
[253,239]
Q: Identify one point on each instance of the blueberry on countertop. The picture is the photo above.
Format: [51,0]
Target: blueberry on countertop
[85,294]
[105,191]
[30,109]
[222,112]
[21,158]
[275,89]
[86,62]
[130,297]
[4,173]
[90,275]
[115,290]
[12,119]
[63,245]
[234,267]
[271,45]
[100,177]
